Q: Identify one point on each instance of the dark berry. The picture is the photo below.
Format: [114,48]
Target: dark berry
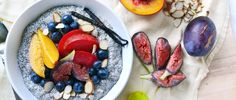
[56,37]
[42,83]
[70,82]
[103,73]
[60,86]
[78,87]
[97,64]
[92,71]
[35,78]
[102,54]
[66,29]
[95,79]
[74,25]
[47,73]
[52,26]
[67,19]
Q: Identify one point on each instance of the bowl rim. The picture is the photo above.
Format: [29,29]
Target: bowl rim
[129,47]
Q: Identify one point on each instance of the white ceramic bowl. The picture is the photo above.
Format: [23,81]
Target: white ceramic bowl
[232,4]
[32,12]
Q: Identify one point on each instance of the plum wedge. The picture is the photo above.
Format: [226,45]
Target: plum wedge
[142,47]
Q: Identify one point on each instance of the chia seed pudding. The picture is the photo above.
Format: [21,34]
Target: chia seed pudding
[114,59]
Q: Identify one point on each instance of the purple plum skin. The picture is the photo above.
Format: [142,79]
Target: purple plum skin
[199,36]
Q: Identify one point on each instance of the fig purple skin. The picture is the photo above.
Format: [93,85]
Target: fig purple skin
[162,53]
[199,36]
[142,47]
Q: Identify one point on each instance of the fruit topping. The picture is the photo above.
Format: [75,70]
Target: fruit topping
[142,48]
[104,63]
[143,7]
[170,81]
[42,82]
[35,78]
[56,37]
[70,82]
[80,73]
[36,56]
[48,86]
[57,95]
[67,89]
[92,71]
[74,25]
[84,58]
[103,44]
[102,54]
[78,87]
[97,64]
[162,52]
[45,31]
[66,96]
[96,79]
[52,26]
[89,87]
[76,40]
[63,71]
[50,52]
[103,73]
[56,17]
[174,63]
[66,29]
[60,86]
[67,19]
[199,36]
[87,28]
[69,57]
[82,22]
[60,26]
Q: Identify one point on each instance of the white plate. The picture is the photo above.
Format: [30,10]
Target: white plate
[32,12]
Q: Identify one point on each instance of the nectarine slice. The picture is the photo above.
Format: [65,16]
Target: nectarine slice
[143,7]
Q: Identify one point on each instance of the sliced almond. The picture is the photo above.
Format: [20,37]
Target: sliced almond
[60,26]
[58,95]
[68,89]
[82,22]
[72,93]
[48,86]
[91,97]
[166,13]
[66,96]
[179,5]
[177,22]
[104,63]
[87,28]
[103,44]
[89,87]
[178,14]
[172,10]
[83,95]
[45,31]
[56,17]
[94,49]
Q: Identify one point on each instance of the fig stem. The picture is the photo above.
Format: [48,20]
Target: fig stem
[157,89]
[166,74]
[2,19]
[148,68]
[146,77]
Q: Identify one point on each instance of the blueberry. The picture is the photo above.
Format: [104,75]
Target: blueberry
[66,29]
[52,26]
[70,82]
[74,25]
[56,37]
[92,71]
[3,32]
[60,86]
[47,73]
[67,19]
[102,54]
[78,87]
[97,64]
[42,83]
[103,73]
[95,79]
[35,78]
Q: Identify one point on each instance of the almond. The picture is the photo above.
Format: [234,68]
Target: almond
[68,89]
[48,86]
[58,95]
[60,26]
[94,49]
[89,87]
[104,63]
[56,17]
[87,28]
[82,22]
[66,96]
[45,31]
[83,95]
[103,44]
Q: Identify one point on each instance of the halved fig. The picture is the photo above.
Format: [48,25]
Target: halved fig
[170,81]
[162,52]
[175,62]
[80,73]
[63,71]
[84,59]
[142,47]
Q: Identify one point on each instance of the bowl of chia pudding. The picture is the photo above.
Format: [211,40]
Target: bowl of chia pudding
[68,49]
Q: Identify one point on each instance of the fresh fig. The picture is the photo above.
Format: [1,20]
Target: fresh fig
[63,71]
[199,36]
[174,63]
[142,47]
[80,73]
[162,52]
[170,81]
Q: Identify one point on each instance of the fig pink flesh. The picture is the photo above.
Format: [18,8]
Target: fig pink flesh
[175,61]
[162,52]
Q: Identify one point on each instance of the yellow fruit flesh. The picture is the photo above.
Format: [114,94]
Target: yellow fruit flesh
[152,7]
[36,56]
[50,52]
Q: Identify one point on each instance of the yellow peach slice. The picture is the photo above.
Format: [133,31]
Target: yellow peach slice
[143,7]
